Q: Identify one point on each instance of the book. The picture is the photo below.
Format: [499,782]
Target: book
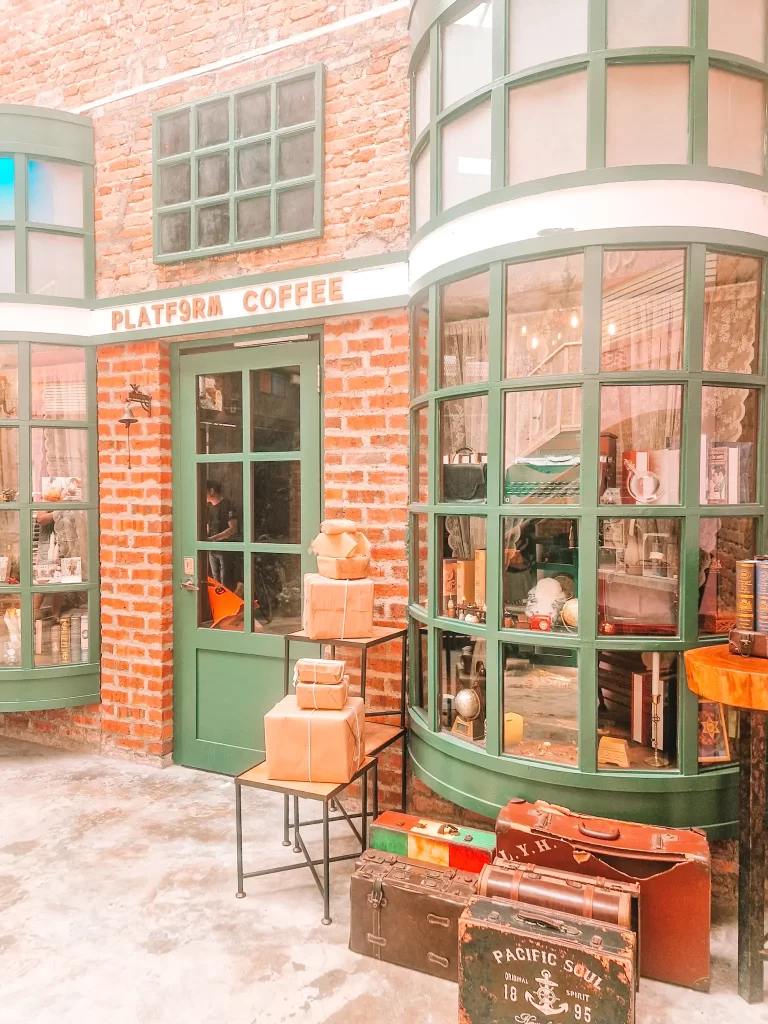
[761,596]
[745,594]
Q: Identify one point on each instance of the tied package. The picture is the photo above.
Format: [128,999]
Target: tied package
[337,609]
[343,553]
[314,746]
[320,685]
[319,670]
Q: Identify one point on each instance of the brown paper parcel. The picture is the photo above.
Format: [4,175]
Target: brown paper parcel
[322,696]
[314,746]
[318,670]
[337,609]
[343,553]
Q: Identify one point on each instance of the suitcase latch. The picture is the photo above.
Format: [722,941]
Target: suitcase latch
[448,830]
[376,897]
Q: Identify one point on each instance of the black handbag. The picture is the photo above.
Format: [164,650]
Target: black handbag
[464,480]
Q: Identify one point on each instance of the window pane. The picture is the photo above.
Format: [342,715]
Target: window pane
[276,593]
[739,29]
[643,309]
[421,94]
[462,679]
[638,585]
[9,463]
[729,424]
[296,155]
[213,123]
[718,734]
[421,200]
[541,703]
[253,113]
[420,322]
[642,426]
[9,549]
[276,506]
[59,546]
[10,631]
[466,144]
[174,183]
[736,121]
[55,265]
[219,413]
[7,201]
[647,116]
[295,102]
[213,225]
[55,193]
[58,382]
[544,316]
[254,218]
[221,598]
[545,30]
[9,382]
[253,165]
[461,572]
[542,437]
[7,261]
[420,486]
[464,331]
[637,710]
[59,464]
[466,62]
[175,232]
[420,528]
[213,175]
[174,134]
[464,449]
[547,128]
[722,543]
[61,628]
[220,502]
[422,656]
[295,209]
[733,286]
[650,23]
[276,410]
[540,574]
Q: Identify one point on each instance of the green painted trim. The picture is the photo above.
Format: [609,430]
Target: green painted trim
[49,703]
[39,131]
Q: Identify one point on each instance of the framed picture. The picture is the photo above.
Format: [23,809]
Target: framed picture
[713,733]
[71,570]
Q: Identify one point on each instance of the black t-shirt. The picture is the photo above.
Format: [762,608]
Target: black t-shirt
[219,516]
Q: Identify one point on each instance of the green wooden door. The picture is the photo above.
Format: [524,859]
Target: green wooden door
[246,507]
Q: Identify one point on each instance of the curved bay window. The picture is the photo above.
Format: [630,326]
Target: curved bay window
[587,469]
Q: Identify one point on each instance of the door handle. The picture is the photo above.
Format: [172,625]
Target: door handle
[188,585]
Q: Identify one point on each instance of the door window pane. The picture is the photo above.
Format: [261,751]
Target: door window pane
[541,703]
[295,102]
[420,528]
[276,503]
[296,155]
[55,193]
[59,464]
[547,128]
[253,165]
[55,265]
[59,546]
[295,209]
[729,424]
[175,232]
[254,218]
[542,439]
[275,409]
[219,413]
[421,447]
[9,463]
[420,329]
[464,331]
[643,309]
[637,710]
[733,287]
[58,382]
[462,677]
[545,30]
[466,64]
[544,316]
[61,628]
[7,261]
[10,631]
[738,29]
[650,23]
[464,449]
[10,572]
[276,593]
[253,113]
[722,543]
[9,382]
[647,116]
[640,430]
[213,123]
[213,175]
[461,573]
[220,501]
[174,183]
[213,225]
[638,585]
[466,163]
[736,121]
[421,190]
[174,134]
[7,199]
[421,93]
[221,597]
[540,574]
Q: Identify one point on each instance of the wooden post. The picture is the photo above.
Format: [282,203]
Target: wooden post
[752,856]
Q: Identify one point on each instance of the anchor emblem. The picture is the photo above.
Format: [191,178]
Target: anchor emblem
[547,997]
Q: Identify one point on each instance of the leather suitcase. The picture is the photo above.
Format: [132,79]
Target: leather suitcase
[432,842]
[408,914]
[524,964]
[748,643]
[672,867]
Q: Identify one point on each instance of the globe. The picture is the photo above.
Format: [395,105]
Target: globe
[467,704]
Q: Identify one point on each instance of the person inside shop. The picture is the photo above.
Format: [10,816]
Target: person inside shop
[222,523]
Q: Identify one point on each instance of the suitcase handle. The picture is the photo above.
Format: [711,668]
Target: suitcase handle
[442,921]
[548,922]
[441,961]
[448,830]
[611,835]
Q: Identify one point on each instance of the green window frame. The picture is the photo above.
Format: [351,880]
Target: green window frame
[229,147]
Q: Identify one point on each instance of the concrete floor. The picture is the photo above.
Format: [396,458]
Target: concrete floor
[117,905]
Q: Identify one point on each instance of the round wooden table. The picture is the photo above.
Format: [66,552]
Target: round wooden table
[717,675]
